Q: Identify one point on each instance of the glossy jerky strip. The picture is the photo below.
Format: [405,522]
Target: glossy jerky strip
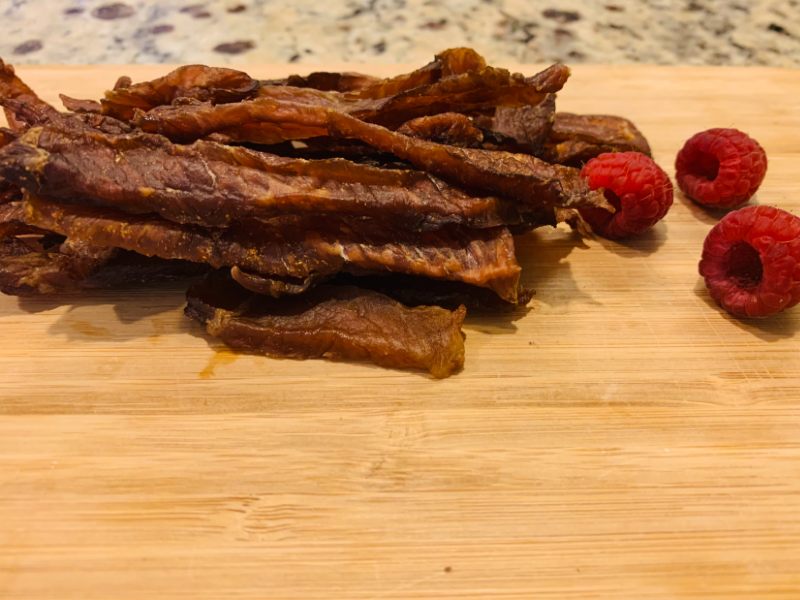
[210,84]
[482,258]
[284,110]
[530,181]
[453,129]
[335,322]
[575,139]
[214,185]
[328,81]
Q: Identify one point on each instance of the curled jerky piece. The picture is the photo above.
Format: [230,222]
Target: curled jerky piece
[522,128]
[214,185]
[23,108]
[446,128]
[532,182]
[211,84]
[574,139]
[327,81]
[300,250]
[284,113]
[337,322]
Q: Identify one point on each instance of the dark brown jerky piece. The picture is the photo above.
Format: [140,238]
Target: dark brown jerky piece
[336,322]
[210,84]
[533,183]
[575,139]
[416,291]
[23,108]
[453,129]
[26,271]
[81,106]
[327,81]
[299,250]
[285,113]
[453,61]
[214,185]
[527,127]
[272,285]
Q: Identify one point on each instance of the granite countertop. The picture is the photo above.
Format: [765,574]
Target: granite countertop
[762,32]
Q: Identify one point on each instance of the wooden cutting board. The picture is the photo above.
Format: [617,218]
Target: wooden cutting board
[621,439]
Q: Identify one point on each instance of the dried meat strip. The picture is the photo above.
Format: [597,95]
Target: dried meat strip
[453,129]
[23,108]
[208,84]
[575,139]
[336,322]
[483,258]
[214,185]
[328,81]
[532,182]
[284,113]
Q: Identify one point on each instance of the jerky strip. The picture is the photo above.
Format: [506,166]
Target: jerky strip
[294,112]
[214,185]
[200,82]
[336,322]
[530,181]
[575,139]
[483,258]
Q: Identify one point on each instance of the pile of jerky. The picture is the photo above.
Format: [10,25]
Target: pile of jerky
[333,215]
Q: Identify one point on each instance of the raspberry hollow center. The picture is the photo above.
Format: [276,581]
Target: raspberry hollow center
[704,166]
[743,264]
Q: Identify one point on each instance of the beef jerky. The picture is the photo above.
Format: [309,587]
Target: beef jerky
[80,106]
[280,111]
[522,128]
[575,139]
[26,270]
[327,81]
[210,84]
[214,185]
[23,108]
[416,291]
[531,182]
[302,250]
[271,285]
[453,129]
[336,322]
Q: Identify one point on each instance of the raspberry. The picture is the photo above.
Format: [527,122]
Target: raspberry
[637,187]
[721,168]
[751,261]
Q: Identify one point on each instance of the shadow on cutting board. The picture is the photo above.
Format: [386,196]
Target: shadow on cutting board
[543,255]
[771,329]
[117,314]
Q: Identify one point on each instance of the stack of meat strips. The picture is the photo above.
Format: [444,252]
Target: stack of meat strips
[334,215]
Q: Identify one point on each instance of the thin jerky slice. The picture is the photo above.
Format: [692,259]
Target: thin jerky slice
[482,258]
[527,126]
[532,182]
[453,129]
[336,322]
[575,139]
[214,185]
[328,81]
[294,112]
[23,108]
[212,84]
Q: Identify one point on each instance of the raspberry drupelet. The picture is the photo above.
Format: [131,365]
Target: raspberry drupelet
[751,261]
[720,168]
[637,187]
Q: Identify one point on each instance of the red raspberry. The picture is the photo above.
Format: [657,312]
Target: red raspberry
[751,261]
[636,186]
[721,168]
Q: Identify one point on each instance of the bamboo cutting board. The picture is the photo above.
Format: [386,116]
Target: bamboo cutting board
[622,438]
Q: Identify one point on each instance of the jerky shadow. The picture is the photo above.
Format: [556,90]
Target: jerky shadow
[641,245]
[543,256]
[771,329]
[134,313]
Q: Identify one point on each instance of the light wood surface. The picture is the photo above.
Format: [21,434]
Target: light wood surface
[623,439]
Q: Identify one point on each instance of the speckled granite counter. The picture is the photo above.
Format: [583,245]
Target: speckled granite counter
[763,32]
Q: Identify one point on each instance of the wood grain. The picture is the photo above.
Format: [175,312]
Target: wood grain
[621,439]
